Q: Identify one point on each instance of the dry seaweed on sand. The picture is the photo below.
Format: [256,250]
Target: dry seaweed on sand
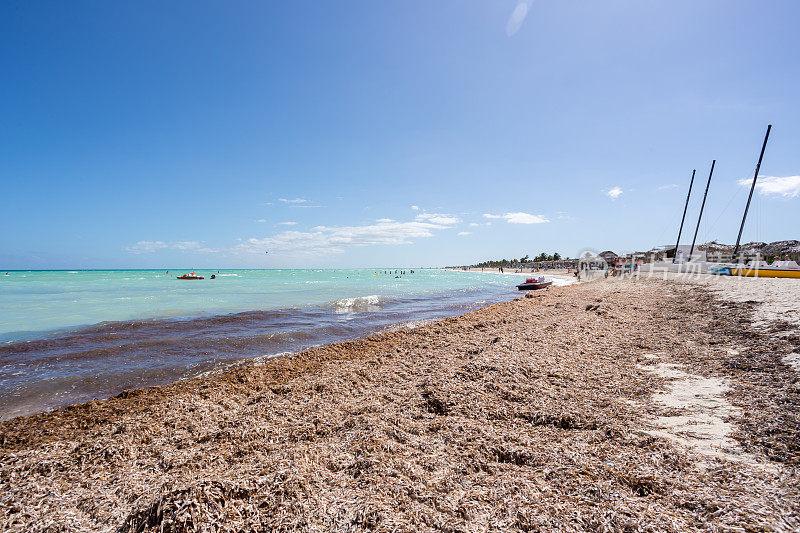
[529,415]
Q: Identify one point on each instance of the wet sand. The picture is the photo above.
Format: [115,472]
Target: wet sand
[549,412]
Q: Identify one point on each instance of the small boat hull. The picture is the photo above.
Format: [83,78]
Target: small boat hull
[765,273]
[720,271]
[534,286]
[189,277]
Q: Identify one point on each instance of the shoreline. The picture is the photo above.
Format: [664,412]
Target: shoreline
[97,361]
[532,413]
[560,272]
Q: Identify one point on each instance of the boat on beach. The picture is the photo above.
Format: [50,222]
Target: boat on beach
[761,269]
[755,268]
[720,270]
[532,284]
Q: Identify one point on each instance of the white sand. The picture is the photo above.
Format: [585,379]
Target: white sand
[559,278]
[698,402]
[700,413]
[777,300]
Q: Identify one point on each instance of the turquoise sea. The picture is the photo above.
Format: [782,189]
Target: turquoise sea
[69,336]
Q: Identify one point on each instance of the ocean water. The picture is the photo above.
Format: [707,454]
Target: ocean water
[72,336]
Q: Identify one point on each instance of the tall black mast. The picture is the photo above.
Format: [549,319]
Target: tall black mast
[752,187]
[702,206]
[675,257]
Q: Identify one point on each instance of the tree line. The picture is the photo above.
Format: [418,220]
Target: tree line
[544,256]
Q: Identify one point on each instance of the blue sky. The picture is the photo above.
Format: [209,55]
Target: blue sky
[199,134]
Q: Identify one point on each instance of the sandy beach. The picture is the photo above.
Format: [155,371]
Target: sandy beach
[663,405]
[562,272]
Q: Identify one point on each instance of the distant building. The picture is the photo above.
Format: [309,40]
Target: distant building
[609,257]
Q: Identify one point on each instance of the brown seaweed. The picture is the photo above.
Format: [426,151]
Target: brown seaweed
[527,416]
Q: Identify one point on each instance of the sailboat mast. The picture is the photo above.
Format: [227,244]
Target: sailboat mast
[752,188]
[702,206]
[675,257]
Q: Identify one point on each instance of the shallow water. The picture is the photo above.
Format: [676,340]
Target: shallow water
[71,336]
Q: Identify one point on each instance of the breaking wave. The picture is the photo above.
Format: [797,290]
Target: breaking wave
[359,303]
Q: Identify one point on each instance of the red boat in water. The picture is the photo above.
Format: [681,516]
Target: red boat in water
[190,276]
[532,284]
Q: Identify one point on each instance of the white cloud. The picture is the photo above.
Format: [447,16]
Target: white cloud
[384,220]
[298,202]
[438,218]
[668,186]
[149,247]
[518,218]
[614,193]
[415,207]
[336,239]
[786,187]
[517,18]
[462,233]
[262,220]
[524,218]
[473,224]
[145,247]
[186,245]
[287,223]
